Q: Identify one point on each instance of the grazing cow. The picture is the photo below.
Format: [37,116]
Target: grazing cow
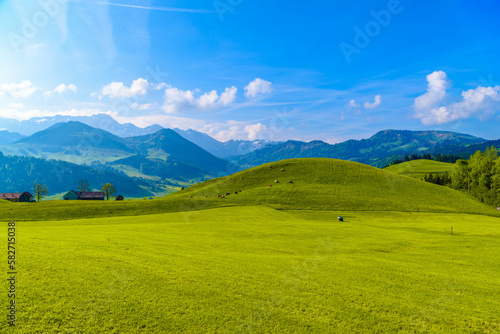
[270,185]
[276,181]
[236,193]
[190,196]
[227,194]
[290,181]
[218,195]
[206,195]
[282,170]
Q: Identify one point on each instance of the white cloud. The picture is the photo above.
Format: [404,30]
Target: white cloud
[375,104]
[228,96]
[438,83]
[238,130]
[14,105]
[482,101]
[117,90]
[352,104]
[28,114]
[255,130]
[257,87]
[62,88]
[177,100]
[146,106]
[21,90]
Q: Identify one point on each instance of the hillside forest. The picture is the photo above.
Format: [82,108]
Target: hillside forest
[478,176]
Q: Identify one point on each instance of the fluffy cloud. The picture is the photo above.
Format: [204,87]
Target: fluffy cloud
[28,114]
[352,104]
[62,88]
[257,87]
[438,83]
[255,130]
[117,90]
[177,100]
[21,90]
[482,101]
[375,104]
[146,106]
[15,105]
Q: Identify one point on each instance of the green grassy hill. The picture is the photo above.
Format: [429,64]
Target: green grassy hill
[329,184]
[419,168]
[318,184]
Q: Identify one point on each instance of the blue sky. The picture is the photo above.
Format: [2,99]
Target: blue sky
[240,69]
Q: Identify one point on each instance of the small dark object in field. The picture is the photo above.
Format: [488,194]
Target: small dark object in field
[270,167]
[236,193]
[276,181]
[227,194]
[282,170]
[290,181]
[341,219]
[190,196]
[206,195]
[270,185]
[182,188]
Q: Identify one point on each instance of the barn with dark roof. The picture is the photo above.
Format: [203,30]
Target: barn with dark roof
[84,195]
[17,197]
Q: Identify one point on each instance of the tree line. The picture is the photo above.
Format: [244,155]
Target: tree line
[449,158]
[479,176]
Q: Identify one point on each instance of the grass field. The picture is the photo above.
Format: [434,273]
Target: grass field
[266,260]
[419,168]
[258,270]
[318,184]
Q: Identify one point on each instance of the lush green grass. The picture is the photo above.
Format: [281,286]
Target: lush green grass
[254,269]
[419,168]
[318,184]
[329,184]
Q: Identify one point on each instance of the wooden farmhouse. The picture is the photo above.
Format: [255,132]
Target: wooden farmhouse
[84,195]
[17,197]
[119,198]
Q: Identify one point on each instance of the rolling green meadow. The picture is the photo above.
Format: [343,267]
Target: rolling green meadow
[269,259]
[419,168]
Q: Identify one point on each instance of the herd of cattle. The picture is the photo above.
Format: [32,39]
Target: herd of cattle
[239,191]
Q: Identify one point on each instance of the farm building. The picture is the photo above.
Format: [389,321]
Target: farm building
[84,195]
[17,197]
[119,198]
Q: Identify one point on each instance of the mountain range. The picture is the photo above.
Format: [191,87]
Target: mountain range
[105,122]
[98,121]
[228,149]
[163,161]
[158,161]
[378,150]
